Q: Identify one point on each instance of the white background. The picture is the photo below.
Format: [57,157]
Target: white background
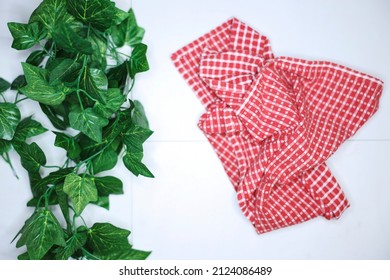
[189,210]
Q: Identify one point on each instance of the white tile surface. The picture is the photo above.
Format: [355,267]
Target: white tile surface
[189,210]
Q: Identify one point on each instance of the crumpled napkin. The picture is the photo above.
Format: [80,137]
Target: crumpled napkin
[273,122]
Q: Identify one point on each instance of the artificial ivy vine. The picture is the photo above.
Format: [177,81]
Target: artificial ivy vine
[81,76]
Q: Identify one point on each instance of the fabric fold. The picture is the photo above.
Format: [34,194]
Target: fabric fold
[273,122]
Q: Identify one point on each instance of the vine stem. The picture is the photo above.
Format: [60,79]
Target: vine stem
[2,96]
[87,94]
[20,100]
[7,159]
[85,161]
[87,253]
[52,166]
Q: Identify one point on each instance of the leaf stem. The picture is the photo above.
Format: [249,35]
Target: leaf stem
[2,96]
[7,159]
[88,254]
[16,97]
[52,166]
[20,100]
[87,94]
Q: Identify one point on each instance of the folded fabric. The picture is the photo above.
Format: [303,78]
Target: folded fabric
[275,121]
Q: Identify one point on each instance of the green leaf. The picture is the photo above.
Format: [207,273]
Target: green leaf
[36,57]
[69,144]
[37,188]
[81,191]
[94,82]
[26,35]
[66,70]
[88,122]
[5,146]
[40,233]
[120,16]
[54,119]
[67,39]
[19,82]
[52,200]
[98,13]
[55,177]
[117,76]
[106,160]
[38,88]
[24,257]
[63,202]
[108,185]
[51,13]
[32,156]
[133,162]
[114,129]
[112,100]
[105,238]
[28,128]
[127,32]
[139,116]
[138,61]
[135,137]
[125,254]
[88,146]
[23,239]
[73,243]
[9,120]
[4,85]
[103,202]
[99,46]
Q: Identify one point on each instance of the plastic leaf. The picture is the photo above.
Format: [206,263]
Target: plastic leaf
[88,122]
[4,85]
[81,191]
[98,13]
[38,88]
[133,162]
[68,143]
[28,128]
[9,120]
[108,185]
[127,32]
[26,35]
[41,231]
[135,137]
[32,156]
[138,61]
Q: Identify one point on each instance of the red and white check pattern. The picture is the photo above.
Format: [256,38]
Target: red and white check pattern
[273,122]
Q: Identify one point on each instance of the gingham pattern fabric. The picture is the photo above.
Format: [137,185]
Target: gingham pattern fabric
[273,122]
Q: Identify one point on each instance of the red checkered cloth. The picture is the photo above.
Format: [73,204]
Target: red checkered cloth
[273,122]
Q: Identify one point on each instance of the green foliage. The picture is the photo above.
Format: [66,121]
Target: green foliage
[81,191]
[40,232]
[31,156]
[4,85]
[26,35]
[28,128]
[68,143]
[88,122]
[67,39]
[138,62]
[81,81]
[110,242]
[128,32]
[99,13]
[38,87]
[9,120]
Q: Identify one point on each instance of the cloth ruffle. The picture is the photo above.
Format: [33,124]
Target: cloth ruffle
[273,122]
